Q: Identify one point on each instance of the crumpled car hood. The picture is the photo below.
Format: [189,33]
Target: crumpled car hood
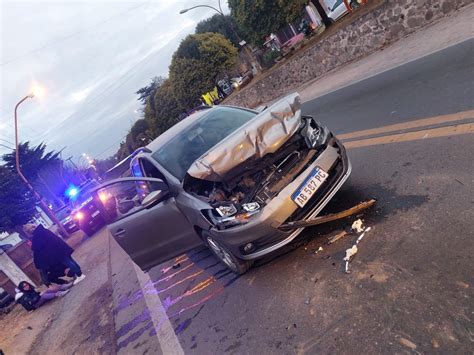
[264,134]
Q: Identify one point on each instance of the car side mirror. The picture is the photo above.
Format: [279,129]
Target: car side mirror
[154,197]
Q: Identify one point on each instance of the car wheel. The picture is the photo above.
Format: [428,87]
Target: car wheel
[235,264]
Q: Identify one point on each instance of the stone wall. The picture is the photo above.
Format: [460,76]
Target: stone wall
[385,24]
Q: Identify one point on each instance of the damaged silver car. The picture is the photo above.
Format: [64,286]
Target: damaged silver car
[227,177]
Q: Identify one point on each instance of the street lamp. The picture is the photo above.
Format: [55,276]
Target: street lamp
[37,91]
[242,43]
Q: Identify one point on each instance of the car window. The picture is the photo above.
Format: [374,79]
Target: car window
[150,170]
[123,198]
[180,152]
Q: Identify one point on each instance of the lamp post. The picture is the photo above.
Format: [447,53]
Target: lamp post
[36,92]
[220,12]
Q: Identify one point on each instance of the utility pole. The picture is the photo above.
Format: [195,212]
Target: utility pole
[41,202]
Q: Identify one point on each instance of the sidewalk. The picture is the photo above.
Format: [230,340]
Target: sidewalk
[81,322]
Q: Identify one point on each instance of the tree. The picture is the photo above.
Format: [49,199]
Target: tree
[17,205]
[139,127]
[259,18]
[32,160]
[198,61]
[166,109]
[149,91]
[102,165]
[41,168]
[225,25]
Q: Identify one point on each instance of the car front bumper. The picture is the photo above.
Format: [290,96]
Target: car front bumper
[263,230]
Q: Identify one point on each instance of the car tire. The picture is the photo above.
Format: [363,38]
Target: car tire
[225,256]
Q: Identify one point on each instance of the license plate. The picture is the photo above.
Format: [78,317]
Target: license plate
[309,187]
[96,213]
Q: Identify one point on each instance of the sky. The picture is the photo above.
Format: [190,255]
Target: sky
[90,57]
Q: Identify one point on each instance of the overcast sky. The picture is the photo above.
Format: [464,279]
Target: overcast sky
[91,57]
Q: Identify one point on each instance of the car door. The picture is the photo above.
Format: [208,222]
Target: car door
[143,218]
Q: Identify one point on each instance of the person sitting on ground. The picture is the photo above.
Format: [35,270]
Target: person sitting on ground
[30,299]
[50,252]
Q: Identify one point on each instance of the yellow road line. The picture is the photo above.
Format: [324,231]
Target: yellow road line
[412,136]
[411,124]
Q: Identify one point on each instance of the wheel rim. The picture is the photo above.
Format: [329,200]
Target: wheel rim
[221,253]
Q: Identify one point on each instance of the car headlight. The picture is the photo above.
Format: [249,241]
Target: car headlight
[315,134]
[226,210]
[231,215]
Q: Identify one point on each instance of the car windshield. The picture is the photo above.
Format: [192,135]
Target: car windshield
[84,193]
[180,152]
[63,212]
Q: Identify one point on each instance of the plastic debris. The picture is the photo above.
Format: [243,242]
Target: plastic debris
[307,301]
[349,254]
[358,226]
[320,249]
[353,250]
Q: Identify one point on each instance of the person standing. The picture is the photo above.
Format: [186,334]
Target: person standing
[51,253]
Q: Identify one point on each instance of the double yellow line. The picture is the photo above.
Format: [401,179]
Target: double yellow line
[411,131]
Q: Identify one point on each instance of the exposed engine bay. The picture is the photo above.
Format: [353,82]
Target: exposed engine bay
[254,183]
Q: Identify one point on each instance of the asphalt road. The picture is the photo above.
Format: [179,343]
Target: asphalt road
[411,283]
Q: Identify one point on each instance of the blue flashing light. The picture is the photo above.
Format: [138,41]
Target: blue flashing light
[72,191]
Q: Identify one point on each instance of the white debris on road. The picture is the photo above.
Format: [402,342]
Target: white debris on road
[320,249]
[349,254]
[359,228]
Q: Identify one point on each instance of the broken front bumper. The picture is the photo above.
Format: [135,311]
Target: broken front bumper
[263,229]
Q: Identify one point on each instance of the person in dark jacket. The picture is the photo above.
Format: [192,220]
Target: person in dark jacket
[30,299]
[51,255]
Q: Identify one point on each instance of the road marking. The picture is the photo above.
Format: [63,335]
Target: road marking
[411,124]
[167,338]
[412,136]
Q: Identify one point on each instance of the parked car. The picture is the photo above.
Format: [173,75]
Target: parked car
[337,8]
[227,177]
[239,82]
[66,219]
[87,212]
[225,86]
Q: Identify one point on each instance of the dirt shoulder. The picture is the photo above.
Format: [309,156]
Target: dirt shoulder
[81,322]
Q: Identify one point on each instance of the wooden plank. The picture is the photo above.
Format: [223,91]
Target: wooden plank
[330,217]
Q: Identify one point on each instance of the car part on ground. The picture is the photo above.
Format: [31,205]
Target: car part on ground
[331,217]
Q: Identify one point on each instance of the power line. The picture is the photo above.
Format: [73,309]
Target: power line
[5,146]
[47,45]
[7,141]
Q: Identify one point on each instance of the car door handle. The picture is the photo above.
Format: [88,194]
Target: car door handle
[119,233]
